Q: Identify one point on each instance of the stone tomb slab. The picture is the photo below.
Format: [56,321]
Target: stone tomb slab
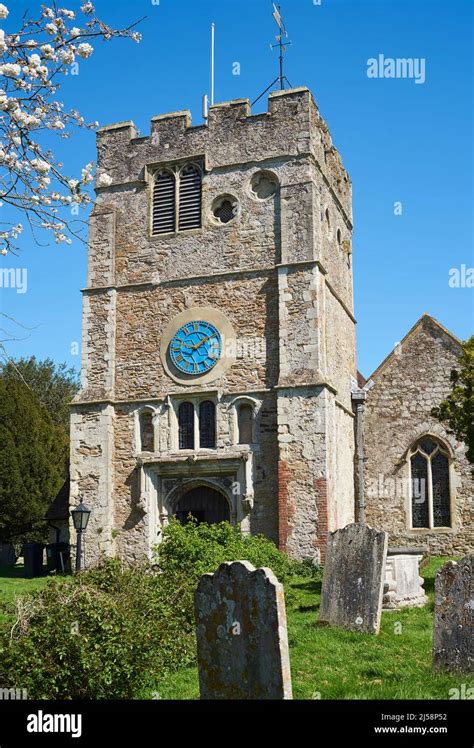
[403,583]
[242,639]
[353,580]
[453,624]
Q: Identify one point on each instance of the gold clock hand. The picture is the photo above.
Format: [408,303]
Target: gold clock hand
[201,342]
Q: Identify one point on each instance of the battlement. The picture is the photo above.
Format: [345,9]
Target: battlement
[291,127]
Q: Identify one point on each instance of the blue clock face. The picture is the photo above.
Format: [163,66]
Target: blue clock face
[196,347]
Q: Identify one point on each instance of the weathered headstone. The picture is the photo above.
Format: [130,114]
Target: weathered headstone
[353,580]
[242,640]
[453,625]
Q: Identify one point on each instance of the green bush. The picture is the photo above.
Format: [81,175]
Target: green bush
[108,633]
[197,549]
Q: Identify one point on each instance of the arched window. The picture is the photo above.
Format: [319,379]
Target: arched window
[186,426]
[147,436]
[244,423]
[430,490]
[207,425]
[164,203]
[190,198]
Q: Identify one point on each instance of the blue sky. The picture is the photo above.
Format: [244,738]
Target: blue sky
[400,142]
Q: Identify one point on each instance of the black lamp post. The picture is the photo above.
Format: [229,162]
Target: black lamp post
[80,517]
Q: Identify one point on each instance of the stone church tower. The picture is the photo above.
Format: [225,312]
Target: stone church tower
[218,331]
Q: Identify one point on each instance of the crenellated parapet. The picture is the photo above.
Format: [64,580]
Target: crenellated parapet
[292,127]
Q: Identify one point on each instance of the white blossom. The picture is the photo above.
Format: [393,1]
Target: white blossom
[42,167]
[34,61]
[33,180]
[67,13]
[10,70]
[85,50]
[104,180]
[48,52]
[3,44]
[67,55]
[86,174]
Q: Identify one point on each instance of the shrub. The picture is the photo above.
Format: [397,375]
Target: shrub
[108,633]
[196,549]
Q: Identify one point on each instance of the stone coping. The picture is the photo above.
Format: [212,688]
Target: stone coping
[407,550]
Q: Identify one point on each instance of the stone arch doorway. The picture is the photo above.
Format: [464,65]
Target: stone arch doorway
[205,504]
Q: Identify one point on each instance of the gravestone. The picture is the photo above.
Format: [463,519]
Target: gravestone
[7,555]
[453,625]
[242,640]
[353,581]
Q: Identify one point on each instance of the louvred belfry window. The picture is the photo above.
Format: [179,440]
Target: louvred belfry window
[190,198]
[164,203]
[177,199]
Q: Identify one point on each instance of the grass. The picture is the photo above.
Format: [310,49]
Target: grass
[12,585]
[328,663]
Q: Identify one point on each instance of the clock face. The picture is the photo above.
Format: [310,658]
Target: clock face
[196,347]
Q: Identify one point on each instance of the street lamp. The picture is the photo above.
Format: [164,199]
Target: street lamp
[80,517]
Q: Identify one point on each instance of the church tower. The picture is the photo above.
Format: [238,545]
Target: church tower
[218,331]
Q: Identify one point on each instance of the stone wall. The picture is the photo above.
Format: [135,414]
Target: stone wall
[413,380]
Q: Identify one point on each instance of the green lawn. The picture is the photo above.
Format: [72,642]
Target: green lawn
[328,663]
[12,585]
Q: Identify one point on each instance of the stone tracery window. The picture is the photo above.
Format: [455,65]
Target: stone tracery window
[429,484]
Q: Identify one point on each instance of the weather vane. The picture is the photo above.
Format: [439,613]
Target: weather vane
[282,44]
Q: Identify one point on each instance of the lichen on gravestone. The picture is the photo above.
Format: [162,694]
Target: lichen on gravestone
[242,639]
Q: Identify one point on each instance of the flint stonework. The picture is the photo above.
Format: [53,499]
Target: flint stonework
[242,640]
[453,626]
[353,581]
